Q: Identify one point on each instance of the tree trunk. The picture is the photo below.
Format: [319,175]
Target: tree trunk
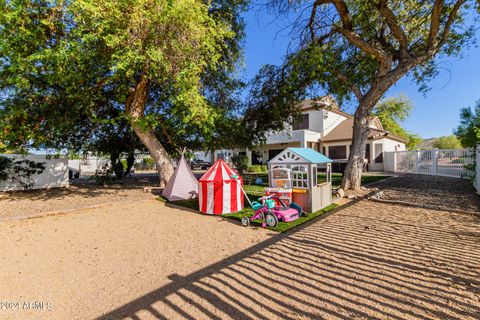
[353,172]
[135,108]
[130,162]
[352,177]
[116,165]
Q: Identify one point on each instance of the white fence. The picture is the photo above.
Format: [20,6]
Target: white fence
[55,174]
[440,162]
[89,165]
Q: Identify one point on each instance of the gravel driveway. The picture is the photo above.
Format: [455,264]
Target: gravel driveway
[448,193]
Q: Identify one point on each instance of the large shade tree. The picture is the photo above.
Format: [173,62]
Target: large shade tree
[357,50]
[166,65]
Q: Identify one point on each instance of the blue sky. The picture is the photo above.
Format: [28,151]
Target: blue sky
[433,115]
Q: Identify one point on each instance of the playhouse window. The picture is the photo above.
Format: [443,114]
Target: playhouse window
[299,177]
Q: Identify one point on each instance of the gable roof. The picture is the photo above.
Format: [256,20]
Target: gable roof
[344,131]
[292,155]
[325,102]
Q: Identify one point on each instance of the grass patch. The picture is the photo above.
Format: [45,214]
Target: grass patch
[247,211]
[282,226]
[257,190]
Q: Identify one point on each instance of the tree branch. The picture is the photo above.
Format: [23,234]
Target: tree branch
[312,20]
[394,26]
[355,89]
[451,19]
[347,31]
[435,24]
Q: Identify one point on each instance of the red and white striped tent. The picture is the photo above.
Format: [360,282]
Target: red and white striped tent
[218,192]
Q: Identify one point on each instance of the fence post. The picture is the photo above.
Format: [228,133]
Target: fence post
[434,161]
[395,161]
[416,161]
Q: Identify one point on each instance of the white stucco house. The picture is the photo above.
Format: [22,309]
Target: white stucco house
[324,128]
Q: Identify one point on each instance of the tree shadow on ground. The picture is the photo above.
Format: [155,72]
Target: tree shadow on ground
[358,261]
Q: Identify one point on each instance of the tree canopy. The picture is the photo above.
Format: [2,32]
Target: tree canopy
[468,132]
[392,112]
[67,68]
[447,142]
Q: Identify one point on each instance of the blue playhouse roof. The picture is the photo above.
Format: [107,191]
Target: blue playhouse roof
[311,155]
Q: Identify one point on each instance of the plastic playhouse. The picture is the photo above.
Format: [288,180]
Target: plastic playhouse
[292,177]
[280,181]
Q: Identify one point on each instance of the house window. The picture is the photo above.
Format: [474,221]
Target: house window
[378,153]
[367,152]
[299,177]
[273,153]
[301,122]
[324,151]
[337,152]
[315,177]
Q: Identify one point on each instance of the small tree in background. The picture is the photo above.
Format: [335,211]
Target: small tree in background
[447,142]
[240,162]
[392,112]
[468,132]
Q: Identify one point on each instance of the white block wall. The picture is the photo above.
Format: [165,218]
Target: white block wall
[55,174]
[389,158]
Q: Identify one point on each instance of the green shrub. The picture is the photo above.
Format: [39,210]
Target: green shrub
[256,168]
[148,163]
[124,164]
[471,169]
[240,162]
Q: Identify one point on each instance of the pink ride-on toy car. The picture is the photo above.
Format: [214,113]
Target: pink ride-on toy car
[271,209]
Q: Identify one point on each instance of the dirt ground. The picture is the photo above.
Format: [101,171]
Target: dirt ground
[82,193]
[91,262]
[147,261]
[453,193]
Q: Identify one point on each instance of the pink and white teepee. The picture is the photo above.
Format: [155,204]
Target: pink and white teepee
[182,185]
